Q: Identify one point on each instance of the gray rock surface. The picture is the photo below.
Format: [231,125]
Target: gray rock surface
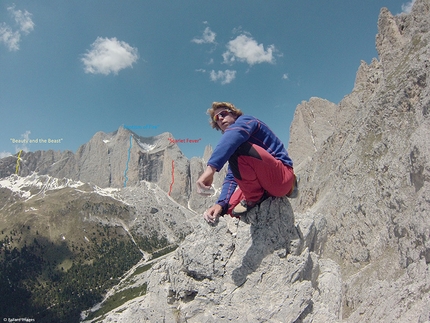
[120,159]
[313,123]
[266,271]
[370,176]
[356,248]
[353,247]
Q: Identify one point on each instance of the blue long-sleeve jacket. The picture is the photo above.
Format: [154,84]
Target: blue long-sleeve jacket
[245,128]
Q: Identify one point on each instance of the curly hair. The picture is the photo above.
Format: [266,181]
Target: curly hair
[227,105]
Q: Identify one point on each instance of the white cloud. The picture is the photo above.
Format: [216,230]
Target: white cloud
[23,146]
[25,136]
[23,19]
[10,37]
[208,37]
[245,49]
[407,8]
[225,77]
[285,76]
[109,56]
[4,154]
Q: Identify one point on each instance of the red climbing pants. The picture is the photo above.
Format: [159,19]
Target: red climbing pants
[255,171]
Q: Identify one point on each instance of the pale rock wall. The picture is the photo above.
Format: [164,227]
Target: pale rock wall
[371,176]
[356,248]
[264,268]
[353,247]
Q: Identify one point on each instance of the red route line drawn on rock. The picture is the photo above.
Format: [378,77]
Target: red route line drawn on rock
[173,176]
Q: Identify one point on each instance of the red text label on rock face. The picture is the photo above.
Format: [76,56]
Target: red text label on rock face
[184,141]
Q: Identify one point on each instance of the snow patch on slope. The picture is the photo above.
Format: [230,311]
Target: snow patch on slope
[25,186]
[22,185]
[145,146]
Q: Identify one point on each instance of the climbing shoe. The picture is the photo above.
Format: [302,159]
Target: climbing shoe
[245,206]
[295,190]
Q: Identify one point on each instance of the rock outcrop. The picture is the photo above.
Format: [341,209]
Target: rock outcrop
[262,268]
[353,247]
[356,248]
[369,175]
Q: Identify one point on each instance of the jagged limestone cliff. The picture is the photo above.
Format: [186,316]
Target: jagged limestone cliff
[354,247]
[368,173]
[261,269]
[117,159]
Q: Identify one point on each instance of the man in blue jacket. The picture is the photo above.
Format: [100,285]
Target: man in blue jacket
[258,163]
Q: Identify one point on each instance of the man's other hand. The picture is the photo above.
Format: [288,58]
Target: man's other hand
[211,215]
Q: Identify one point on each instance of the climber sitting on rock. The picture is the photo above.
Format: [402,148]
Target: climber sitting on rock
[258,163]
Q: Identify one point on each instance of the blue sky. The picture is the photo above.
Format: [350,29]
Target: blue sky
[69,69]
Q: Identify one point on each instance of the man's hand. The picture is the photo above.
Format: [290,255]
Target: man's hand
[211,215]
[206,179]
[204,182]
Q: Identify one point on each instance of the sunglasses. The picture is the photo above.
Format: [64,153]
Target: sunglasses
[222,114]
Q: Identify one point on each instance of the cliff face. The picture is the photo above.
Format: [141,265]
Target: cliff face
[355,245]
[368,173]
[263,268]
[116,160]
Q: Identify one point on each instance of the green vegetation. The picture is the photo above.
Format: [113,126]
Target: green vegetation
[123,296]
[142,269]
[164,251]
[32,285]
[61,253]
[151,242]
[118,299]
[56,258]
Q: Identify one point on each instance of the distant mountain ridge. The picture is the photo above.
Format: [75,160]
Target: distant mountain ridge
[117,196]
[117,159]
[102,161]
